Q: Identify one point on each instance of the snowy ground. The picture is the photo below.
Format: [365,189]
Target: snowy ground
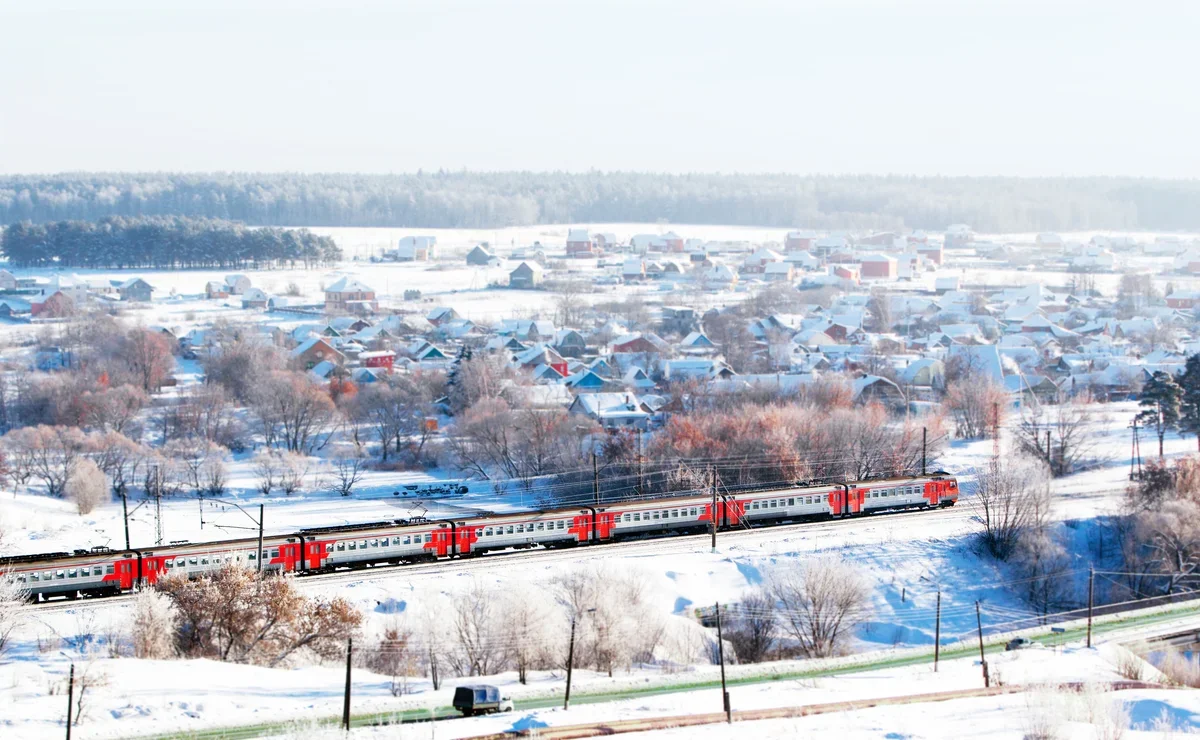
[141,697]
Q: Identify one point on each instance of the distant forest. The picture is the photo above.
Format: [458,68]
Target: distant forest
[497,199]
[162,242]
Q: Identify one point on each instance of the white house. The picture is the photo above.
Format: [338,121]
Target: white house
[417,249]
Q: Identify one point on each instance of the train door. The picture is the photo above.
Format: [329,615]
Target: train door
[125,574]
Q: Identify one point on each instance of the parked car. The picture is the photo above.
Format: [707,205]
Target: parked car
[479,699]
[1020,643]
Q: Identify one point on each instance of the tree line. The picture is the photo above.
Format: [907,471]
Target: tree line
[162,242]
[495,199]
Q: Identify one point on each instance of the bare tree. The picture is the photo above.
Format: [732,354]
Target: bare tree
[293,471]
[976,404]
[345,473]
[820,603]
[49,452]
[13,597]
[1011,498]
[477,629]
[266,468]
[148,356]
[1063,435]
[235,614]
[394,409]
[154,626]
[86,486]
[753,627]
[293,411]
[1169,540]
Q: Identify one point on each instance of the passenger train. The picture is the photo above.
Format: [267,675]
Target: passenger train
[106,572]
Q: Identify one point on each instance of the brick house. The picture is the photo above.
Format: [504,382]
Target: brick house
[349,294]
[579,243]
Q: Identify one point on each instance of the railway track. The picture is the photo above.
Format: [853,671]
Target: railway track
[667,544]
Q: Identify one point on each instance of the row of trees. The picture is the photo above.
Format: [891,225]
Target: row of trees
[491,199]
[162,242]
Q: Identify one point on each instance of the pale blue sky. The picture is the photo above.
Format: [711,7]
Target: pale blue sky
[925,87]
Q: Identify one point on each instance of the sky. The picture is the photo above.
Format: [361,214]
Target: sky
[923,87]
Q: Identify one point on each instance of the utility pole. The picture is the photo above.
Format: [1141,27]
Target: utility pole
[70,698]
[1091,591]
[595,480]
[346,697]
[713,485]
[640,493]
[996,431]
[125,515]
[721,654]
[1049,456]
[924,437]
[260,538]
[937,632]
[987,683]
[570,666]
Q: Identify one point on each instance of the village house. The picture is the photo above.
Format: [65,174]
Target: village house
[350,295]
[53,306]
[215,289]
[136,289]
[579,243]
[416,249]
[480,256]
[8,281]
[237,284]
[378,360]
[527,276]
[613,410]
[878,267]
[779,272]
[314,350]
[255,298]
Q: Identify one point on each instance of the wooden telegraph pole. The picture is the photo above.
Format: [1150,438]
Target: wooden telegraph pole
[987,683]
[721,654]
[346,696]
[937,632]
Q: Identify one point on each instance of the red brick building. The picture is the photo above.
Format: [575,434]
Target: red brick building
[878,267]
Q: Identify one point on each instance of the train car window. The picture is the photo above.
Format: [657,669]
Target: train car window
[629,517]
[429,538]
[37,576]
[353,545]
[85,571]
[194,561]
[487,532]
[169,564]
[637,517]
[204,561]
[108,570]
[542,525]
[791,502]
[274,552]
[47,575]
[563,525]
[509,530]
[59,574]
[341,546]
[72,573]
[395,540]
[408,539]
